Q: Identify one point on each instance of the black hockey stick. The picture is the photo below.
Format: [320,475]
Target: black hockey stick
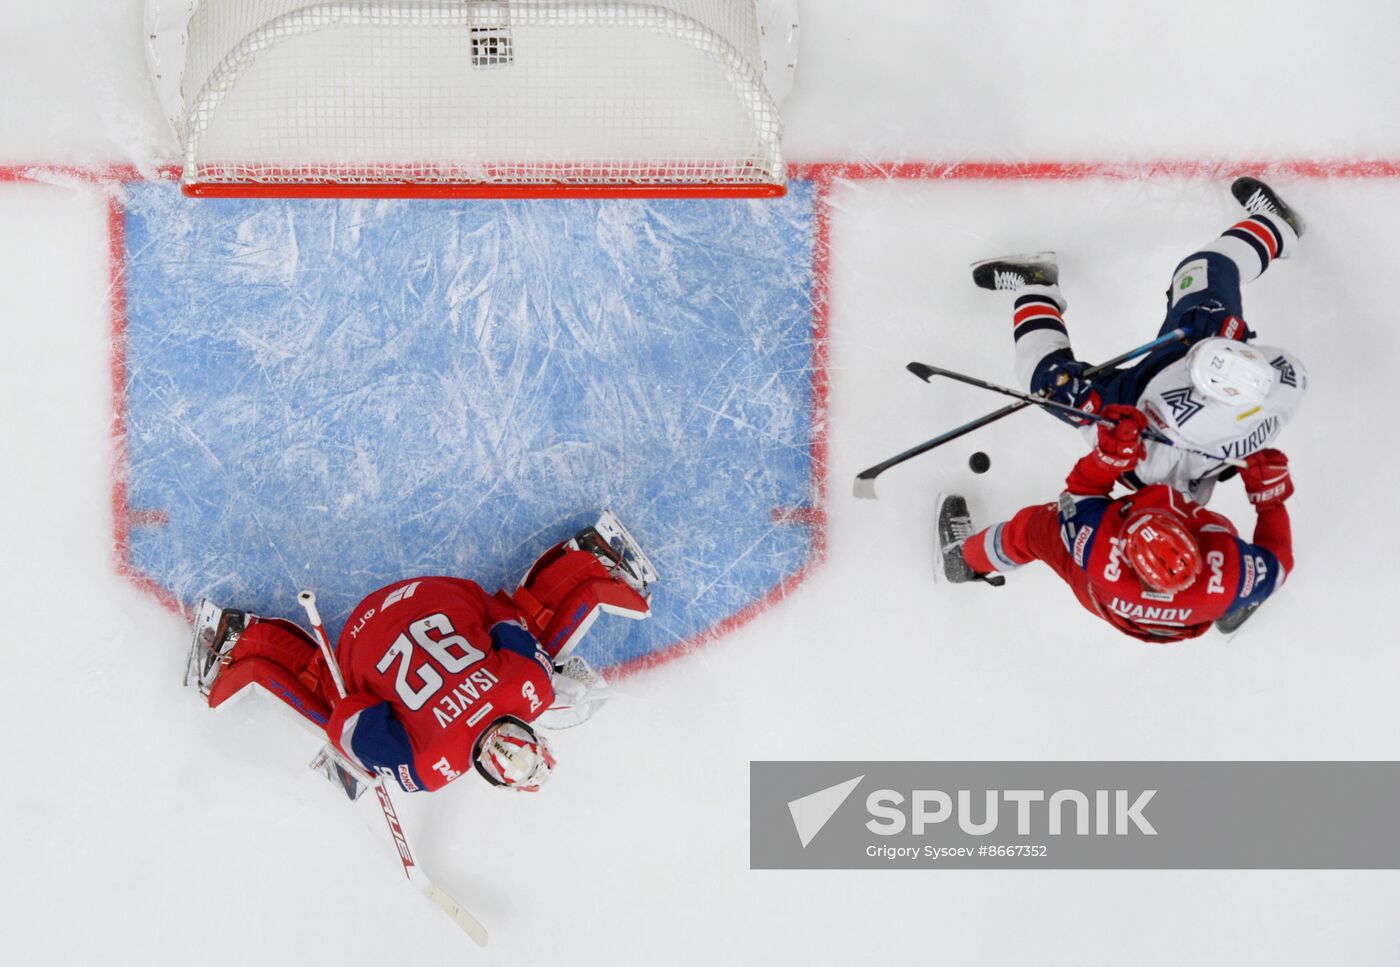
[924,371]
[865,480]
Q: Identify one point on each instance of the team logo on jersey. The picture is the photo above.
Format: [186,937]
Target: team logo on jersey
[444,767]
[1216,560]
[1183,404]
[1113,569]
[402,594]
[1191,277]
[1287,375]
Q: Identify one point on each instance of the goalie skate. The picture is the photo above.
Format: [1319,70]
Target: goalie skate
[619,552]
[216,631]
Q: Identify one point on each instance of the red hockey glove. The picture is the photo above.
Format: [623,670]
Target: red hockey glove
[1120,442]
[1267,480]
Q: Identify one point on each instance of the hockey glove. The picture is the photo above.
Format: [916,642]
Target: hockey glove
[1120,442]
[579,692]
[1267,480]
[1063,380]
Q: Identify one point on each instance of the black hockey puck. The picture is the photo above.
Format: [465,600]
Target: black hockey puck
[979,462]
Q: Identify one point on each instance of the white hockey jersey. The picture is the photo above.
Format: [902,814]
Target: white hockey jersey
[1181,412]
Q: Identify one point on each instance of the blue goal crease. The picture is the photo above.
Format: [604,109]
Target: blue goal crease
[338,394]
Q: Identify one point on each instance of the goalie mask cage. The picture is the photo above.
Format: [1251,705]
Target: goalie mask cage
[434,98]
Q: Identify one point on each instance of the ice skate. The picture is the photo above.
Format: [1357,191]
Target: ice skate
[1229,625]
[1012,272]
[954,528]
[619,552]
[1258,197]
[216,631]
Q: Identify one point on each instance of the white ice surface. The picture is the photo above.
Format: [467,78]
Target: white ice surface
[137,828]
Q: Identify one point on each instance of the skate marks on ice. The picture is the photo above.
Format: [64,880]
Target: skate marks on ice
[336,394]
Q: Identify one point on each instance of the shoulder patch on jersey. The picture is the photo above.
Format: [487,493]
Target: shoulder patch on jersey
[1191,277]
[1066,502]
[1183,404]
[1287,375]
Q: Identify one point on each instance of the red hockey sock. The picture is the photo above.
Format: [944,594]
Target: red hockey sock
[1005,546]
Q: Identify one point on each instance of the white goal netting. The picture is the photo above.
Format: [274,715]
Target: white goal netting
[453,92]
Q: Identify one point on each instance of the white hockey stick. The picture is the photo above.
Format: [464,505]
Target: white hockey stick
[463,918]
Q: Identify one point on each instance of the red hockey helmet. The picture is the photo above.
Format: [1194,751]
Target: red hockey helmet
[511,754]
[1162,551]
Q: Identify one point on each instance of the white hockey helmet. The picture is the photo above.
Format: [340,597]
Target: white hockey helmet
[1230,372]
[510,754]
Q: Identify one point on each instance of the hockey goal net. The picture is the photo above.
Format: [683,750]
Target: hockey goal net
[470,97]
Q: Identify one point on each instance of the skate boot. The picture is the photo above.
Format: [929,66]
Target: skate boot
[620,553]
[954,528]
[1258,197]
[1229,625]
[1012,272]
[216,631]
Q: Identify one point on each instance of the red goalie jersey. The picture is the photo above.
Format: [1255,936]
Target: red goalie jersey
[429,664]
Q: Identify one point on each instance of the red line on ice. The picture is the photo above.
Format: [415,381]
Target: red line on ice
[123,517]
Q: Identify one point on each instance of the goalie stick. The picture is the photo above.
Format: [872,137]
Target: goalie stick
[865,480]
[924,371]
[459,914]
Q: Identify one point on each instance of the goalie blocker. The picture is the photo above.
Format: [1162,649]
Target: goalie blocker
[441,676]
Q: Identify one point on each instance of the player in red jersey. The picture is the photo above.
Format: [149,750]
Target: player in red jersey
[1154,564]
[441,676]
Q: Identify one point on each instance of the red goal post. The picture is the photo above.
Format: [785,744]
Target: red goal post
[475,98]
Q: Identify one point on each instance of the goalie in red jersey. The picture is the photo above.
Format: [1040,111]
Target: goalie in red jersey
[1154,564]
[441,677]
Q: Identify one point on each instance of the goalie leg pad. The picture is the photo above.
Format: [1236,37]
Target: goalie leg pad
[564,593]
[280,657]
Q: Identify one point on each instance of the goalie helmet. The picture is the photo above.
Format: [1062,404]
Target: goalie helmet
[1230,372]
[1162,552]
[510,754]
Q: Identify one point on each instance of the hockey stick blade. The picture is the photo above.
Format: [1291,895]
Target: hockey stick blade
[470,925]
[865,487]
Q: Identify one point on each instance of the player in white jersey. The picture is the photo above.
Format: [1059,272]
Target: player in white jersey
[1250,406]
[1212,390]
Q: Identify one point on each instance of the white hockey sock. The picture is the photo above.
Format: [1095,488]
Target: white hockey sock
[1254,243]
